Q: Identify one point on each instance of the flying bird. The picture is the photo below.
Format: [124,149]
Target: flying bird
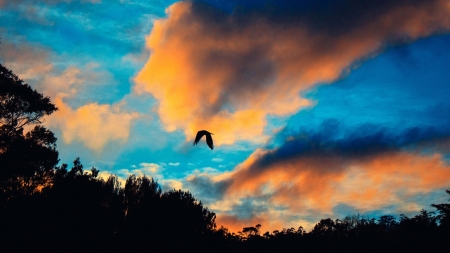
[209,140]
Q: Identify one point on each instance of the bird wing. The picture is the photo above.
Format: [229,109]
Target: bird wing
[209,141]
[198,137]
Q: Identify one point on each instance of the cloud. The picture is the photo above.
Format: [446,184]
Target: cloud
[33,63]
[149,167]
[225,72]
[324,182]
[209,189]
[136,59]
[334,139]
[26,60]
[317,173]
[91,123]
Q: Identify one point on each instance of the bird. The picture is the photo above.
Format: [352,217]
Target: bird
[209,140]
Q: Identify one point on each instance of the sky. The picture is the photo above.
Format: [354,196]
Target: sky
[319,109]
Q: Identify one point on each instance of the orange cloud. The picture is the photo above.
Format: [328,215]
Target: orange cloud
[227,73]
[92,124]
[314,185]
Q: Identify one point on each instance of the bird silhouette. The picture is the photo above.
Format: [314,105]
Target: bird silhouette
[209,140]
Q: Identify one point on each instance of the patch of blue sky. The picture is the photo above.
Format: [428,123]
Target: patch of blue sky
[386,210]
[143,104]
[433,197]
[446,158]
[101,33]
[407,86]
[148,142]
[340,211]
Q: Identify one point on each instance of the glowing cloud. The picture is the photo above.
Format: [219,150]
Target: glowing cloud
[92,124]
[226,72]
[325,182]
[302,187]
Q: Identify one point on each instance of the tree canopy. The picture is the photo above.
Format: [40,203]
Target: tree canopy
[24,156]
[20,105]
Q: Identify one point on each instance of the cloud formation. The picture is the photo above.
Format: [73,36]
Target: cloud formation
[313,173]
[226,72]
[91,123]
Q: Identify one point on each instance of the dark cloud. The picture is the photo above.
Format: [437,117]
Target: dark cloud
[250,208]
[330,16]
[332,140]
[205,187]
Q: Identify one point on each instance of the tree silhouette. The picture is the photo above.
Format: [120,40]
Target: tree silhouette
[184,218]
[444,214]
[26,159]
[142,205]
[20,104]
[251,231]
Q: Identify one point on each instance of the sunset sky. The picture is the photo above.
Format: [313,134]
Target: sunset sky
[319,108]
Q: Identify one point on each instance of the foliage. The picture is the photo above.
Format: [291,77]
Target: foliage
[444,214]
[20,105]
[26,159]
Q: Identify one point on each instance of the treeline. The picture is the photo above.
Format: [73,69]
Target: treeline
[425,232]
[80,211]
[48,207]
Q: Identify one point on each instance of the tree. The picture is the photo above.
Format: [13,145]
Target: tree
[20,105]
[251,231]
[26,159]
[444,214]
[326,227]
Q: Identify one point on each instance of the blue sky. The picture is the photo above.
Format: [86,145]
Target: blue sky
[318,108]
